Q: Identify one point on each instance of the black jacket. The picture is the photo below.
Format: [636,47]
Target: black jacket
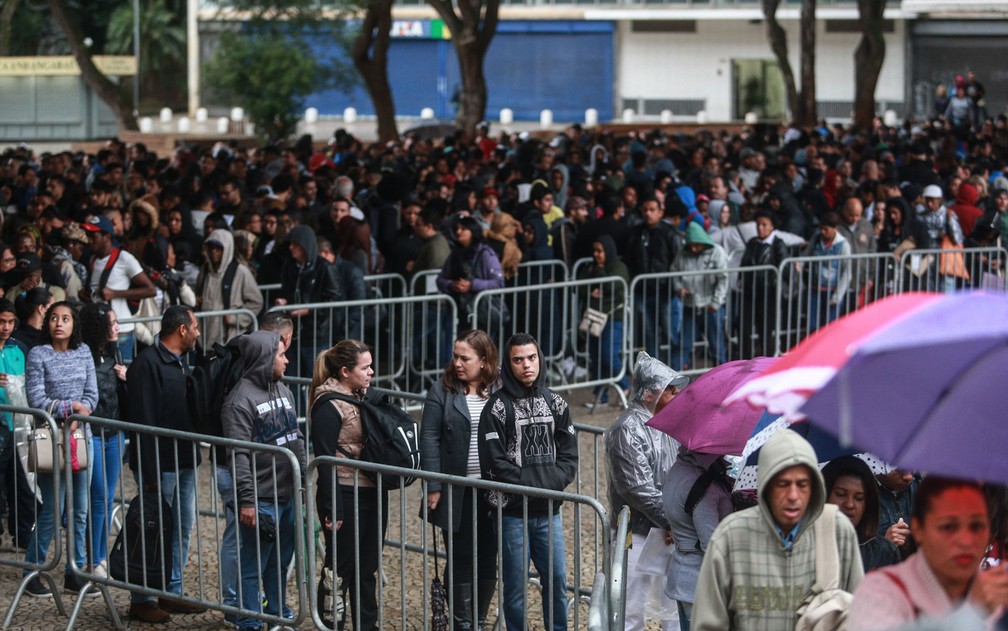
[651,250]
[759,253]
[109,386]
[315,281]
[157,382]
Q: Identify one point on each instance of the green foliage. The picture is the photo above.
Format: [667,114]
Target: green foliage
[269,74]
[162,41]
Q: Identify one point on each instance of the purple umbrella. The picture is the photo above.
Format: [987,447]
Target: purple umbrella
[697,419]
[929,391]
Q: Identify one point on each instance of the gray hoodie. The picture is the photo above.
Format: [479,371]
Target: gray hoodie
[640,457]
[260,409]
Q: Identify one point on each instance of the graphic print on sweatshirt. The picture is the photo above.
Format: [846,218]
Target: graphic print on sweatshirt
[277,422]
[533,433]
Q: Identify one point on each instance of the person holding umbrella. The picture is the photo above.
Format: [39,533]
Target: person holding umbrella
[639,460]
[942,582]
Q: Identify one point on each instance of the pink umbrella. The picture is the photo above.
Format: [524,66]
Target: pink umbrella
[784,387]
[697,418]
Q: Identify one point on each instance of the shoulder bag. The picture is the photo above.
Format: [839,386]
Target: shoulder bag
[825,609]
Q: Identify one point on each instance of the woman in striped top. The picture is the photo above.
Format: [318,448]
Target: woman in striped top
[448,434]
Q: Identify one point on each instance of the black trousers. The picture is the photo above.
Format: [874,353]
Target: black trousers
[22,506]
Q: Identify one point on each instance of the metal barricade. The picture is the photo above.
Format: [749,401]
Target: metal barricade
[270,293]
[410,337]
[423,283]
[579,265]
[596,326]
[181,509]
[618,571]
[400,594]
[540,273]
[386,285]
[948,270]
[154,322]
[23,503]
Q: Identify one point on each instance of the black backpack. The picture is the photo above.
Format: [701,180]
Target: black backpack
[141,554]
[391,436]
[208,385]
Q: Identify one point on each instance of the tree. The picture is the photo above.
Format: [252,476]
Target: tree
[162,49]
[114,95]
[473,24]
[370,56]
[802,104]
[868,58]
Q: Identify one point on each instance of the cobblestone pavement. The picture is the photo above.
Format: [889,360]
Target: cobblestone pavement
[41,614]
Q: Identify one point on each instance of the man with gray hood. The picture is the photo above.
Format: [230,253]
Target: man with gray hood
[639,459]
[526,437]
[308,278]
[761,562]
[704,292]
[260,409]
[226,283]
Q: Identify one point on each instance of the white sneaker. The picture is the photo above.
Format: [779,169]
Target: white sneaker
[591,405]
[567,365]
[100,570]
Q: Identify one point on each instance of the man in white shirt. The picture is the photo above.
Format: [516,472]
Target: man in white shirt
[125,279]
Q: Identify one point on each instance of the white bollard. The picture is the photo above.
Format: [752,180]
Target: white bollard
[701,117]
[350,115]
[665,117]
[237,114]
[184,125]
[311,115]
[202,115]
[591,117]
[628,115]
[166,114]
[223,125]
[506,116]
[146,125]
[427,113]
[889,118]
[545,118]
[751,118]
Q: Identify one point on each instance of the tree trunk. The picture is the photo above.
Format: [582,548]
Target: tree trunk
[370,56]
[777,37]
[6,17]
[868,59]
[93,78]
[473,28]
[806,114]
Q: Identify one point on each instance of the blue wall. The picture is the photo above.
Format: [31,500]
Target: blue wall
[531,65]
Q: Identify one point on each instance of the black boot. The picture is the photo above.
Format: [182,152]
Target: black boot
[462,610]
[485,590]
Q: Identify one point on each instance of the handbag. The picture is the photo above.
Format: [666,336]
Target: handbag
[593,322]
[40,449]
[438,598]
[825,609]
[952,261]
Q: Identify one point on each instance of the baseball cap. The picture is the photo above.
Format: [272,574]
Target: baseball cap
[29,262]
[100,223]
[933,191]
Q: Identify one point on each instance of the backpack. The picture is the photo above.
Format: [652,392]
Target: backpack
[209,384]
[714,473]
[391,437]
[227,282]
[141,554]
[825,608]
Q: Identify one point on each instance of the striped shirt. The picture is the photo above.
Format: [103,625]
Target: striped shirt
[475,404]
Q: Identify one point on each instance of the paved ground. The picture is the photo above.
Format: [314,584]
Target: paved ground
[41,614]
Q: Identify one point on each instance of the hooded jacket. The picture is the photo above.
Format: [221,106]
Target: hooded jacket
[244,293]
[833,275]
[611,295]
[708,284]
[640,457]
[315,281]
[965,208]
[748,579]
[260,409]
[526,437]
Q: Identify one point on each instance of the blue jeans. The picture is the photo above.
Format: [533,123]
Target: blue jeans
[45,526]
[714,328]
[685,612]
[268,560]
[105,468]
[821,312]
[607,356]
[229,540]
[659,319]
[127,345]
[519,544]
[183,507]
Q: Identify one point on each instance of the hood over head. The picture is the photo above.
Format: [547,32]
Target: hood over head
[140,206]
[967,195]
[226,239]
[258,349]
[650,378]
[609,246]
[785,449]
[303,236]
[696,234]
[509,382]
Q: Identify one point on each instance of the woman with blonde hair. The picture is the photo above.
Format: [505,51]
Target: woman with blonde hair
[449,431]
[501,239]
[336,429]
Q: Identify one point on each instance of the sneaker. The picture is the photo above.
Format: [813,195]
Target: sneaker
[601,405]
[37,588]
[148,612]
[73,584]
[99,570]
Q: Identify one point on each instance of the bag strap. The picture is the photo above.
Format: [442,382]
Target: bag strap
[330,396]
[103,279]
[900,585]
[437,573]
[702,483]
[228,281]
[827,556]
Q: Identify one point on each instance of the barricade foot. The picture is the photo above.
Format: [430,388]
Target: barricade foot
[103,590]
[45,576]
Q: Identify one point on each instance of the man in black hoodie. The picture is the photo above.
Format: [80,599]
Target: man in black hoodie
[260,409]
[526,437]
[308,278]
